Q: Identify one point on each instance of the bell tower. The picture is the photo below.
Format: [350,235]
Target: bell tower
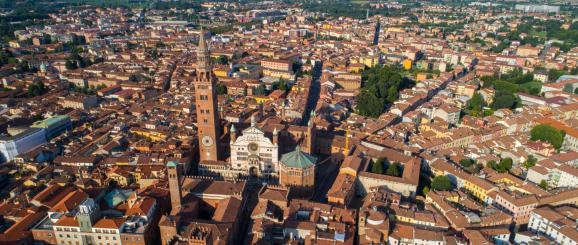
[206,103]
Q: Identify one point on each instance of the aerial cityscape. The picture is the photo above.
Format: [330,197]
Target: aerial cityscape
[201,122]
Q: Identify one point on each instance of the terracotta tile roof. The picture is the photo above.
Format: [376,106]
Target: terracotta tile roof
[67,221]
[107,223]
[70,202]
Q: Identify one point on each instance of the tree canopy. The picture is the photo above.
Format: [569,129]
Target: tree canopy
[503,166]
[221,88]
[381,87]
[377,166]
[441,183]
[394,169]
[547,133]
[36,89]
[476,105]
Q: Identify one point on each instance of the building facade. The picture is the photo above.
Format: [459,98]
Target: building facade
[297,169]
[253,153]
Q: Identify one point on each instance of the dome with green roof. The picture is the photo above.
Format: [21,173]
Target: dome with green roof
[298,159]
[171,164]
[116,197]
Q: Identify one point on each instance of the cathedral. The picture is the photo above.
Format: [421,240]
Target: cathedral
[254,153]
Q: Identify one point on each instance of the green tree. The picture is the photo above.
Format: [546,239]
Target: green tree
[425,190]
[576,91]
[377,166]
[259,90]
[543,184]
[221,88]
[554,74]
[441,183]
[505,165]
[282,85]
[36,89]
[222,60]
[466,163]
[547,133]
[504,101]
[381,86]
[393,170]
[530,162]
[70,64]
[476,105]
[368,104]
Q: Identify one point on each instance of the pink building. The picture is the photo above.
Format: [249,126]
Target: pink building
[517,204]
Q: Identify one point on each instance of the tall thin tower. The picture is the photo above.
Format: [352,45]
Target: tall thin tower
[206,103]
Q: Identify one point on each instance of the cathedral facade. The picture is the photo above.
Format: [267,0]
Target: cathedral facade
[253,154]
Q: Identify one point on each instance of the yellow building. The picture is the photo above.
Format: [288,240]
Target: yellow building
[479,188]
[153,135]
[221,71]
[262,99]
[421,76]
[369,61]
[407,64]
[356,68]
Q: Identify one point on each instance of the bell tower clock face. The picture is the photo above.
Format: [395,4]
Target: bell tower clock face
[207,141]
[253,147]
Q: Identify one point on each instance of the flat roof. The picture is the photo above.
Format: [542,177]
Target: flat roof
[49,122]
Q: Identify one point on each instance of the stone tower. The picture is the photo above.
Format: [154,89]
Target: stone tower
[206,103]
[309,144]
[174,184]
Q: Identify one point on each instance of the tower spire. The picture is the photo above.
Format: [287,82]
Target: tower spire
[203,53]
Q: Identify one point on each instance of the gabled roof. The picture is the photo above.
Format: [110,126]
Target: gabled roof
[70,201]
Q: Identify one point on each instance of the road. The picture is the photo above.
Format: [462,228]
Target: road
[314,91]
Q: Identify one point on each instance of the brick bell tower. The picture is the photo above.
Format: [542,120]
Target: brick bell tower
[206,103]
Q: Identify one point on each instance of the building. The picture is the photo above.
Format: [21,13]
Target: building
[297,169]
[28,139]
[406,184]
[279,65]
[557,224]
[254,154]
[79,102]
[204,211]
[79,219]
[54,126]
[537,8]
[206,104]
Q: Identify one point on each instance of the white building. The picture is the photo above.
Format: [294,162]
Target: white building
[568,176]
[253,153]
[557,224]
[11,146]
